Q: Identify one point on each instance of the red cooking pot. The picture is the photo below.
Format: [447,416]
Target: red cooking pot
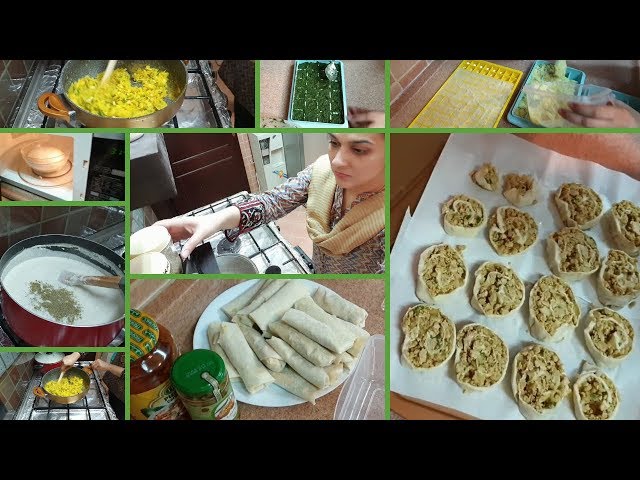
[38,331]
[48,360]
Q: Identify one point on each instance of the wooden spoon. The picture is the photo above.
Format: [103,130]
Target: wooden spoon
[108,72]
[74,280]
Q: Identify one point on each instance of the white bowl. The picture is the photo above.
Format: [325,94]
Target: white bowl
[44,160]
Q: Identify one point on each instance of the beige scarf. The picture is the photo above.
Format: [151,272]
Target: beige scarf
[359,225]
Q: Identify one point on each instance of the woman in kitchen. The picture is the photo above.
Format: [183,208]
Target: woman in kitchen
[113,377]
[343,192]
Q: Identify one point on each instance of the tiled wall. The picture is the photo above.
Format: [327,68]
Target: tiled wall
[13,74]
[18,223]
[249,165]
[16,370]
[403,72]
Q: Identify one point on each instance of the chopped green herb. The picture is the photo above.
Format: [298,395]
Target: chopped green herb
[316,98]
[60,303]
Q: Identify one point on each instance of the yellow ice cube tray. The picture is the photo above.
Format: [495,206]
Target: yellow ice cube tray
[475,95]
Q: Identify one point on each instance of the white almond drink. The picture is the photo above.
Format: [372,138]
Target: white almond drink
[33,284]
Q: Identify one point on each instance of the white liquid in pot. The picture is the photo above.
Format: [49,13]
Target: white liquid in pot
[97,305]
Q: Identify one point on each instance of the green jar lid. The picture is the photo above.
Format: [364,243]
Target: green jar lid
[187,370]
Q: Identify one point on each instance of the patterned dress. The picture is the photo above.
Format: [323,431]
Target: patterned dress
[284,198]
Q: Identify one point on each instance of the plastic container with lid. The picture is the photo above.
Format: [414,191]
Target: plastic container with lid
[363,394]
[154,239]
[153,351]
[546,99]
[202,382]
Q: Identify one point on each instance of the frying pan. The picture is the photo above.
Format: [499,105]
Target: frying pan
[54,106]
[54,374]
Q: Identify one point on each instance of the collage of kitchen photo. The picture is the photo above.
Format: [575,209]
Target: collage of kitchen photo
[319,239]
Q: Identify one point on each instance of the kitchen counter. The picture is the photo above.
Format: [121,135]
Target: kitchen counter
[178,304]
[409,178]
[620,75]
[364,79]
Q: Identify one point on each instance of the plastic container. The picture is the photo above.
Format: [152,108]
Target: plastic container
[543,102]
[574,74]
[633,102]
[307,124]
[363,394]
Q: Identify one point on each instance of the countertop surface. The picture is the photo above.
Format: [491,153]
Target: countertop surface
[364,80]
[178,304]
[409,178]
[620,75]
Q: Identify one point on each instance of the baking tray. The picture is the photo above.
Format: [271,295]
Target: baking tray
[306,124]
[463,101]
[572,74]
[462,154]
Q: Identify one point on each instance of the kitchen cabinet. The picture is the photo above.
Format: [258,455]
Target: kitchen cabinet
[205,168]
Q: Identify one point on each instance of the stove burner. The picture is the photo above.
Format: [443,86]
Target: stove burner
[225,246]
[29,176]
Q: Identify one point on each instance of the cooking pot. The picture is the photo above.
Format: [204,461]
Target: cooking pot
[39,331]
[52,105]
[83,373]
[48,360]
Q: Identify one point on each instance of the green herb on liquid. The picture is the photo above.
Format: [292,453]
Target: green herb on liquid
[60,303]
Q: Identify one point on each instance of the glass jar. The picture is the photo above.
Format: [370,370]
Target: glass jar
[153,351]
[202,383]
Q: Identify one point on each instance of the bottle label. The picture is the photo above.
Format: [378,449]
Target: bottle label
[160,403]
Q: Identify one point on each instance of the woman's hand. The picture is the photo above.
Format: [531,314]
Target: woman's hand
[362,118]
[197,229]
[69,361]
[615,114]
[100,365]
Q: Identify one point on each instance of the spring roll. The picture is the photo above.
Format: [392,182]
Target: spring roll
[311,308]
[338,341]
[320,377]
[267,355]
[294,383]
[273,309]
[338,306]
[312,351]
[231,370]
[244,298]
[347,360]
[254,375]
[213,333]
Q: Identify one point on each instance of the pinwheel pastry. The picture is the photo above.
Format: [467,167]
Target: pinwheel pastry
[618,280]
[609,337]
[441,272]
[486,176]
[481,358]
[578,205]
[623,224]
[497,291]
[429,338]
[553,310]
[572,254]
[512,231]
[538,381]
[595,396]
[463,216]
[520,190]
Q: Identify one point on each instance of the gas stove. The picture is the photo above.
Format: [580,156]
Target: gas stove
[264,245]
[94,406]
[204,106]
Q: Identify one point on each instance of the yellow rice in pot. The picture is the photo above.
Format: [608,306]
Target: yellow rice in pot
[67,387]
[119,97]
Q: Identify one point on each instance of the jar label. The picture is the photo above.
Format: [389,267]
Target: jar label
[160,403]
[226,409]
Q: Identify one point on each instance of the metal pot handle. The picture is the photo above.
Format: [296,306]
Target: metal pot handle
[51,105]
[39,391]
